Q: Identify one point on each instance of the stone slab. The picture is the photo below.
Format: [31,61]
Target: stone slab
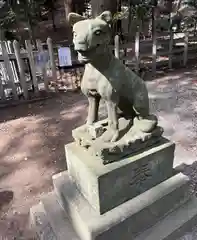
[107,186]
[175,225]
[49,220]
[127,220]
[131,140]
[40,224]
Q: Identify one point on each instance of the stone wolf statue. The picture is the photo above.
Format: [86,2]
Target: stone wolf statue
[107,78]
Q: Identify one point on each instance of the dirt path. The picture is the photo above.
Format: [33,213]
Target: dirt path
[33,137]
[32,150]
[173,99]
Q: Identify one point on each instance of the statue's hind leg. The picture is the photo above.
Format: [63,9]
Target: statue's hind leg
[143,120]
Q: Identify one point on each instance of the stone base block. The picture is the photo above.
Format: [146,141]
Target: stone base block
[50,222]
[176,225]
[126,221]
[107,186]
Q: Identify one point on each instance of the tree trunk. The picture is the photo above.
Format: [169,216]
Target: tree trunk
[99,6]
[129,18]
[195,25]
[53,20]
[77,6]
[68,5]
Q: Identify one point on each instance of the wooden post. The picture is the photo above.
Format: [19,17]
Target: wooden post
[32,65]
[117,46]
[154,39]
[9,47]
[185,55]
[20,63]
[52,60]
[10,50]
[43,67]
[171,44]
[137,50]
[9,70]
[2,93]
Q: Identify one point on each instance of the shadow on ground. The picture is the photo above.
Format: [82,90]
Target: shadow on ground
[173,99]
[32,150]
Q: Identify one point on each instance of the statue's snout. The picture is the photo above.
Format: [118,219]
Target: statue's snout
[80,45]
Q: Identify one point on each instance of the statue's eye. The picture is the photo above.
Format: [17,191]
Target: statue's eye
[97,32]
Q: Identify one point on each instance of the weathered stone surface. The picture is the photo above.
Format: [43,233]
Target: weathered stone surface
[175,225]
[40,223]
[131,140]
[172,227]
[107,186]
[127,220]
[49,221]
[107,78]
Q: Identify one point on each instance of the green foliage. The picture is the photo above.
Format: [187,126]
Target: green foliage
[14,12]
[7,17]
[137,9]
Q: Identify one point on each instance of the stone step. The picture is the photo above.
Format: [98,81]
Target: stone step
[127,220]
[50,221]
[40,223]
[175,225]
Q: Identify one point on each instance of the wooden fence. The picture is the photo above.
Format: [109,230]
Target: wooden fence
[25,72]
[170,50]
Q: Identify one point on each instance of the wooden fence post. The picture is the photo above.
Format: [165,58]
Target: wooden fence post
[32,65]
[117,46]
[137,50]
[154,39]
[20,63]
[171,42]
[2,92]
[9,70]
[43,67]
[185,54]
[52,60]
[10,50]
[171,49]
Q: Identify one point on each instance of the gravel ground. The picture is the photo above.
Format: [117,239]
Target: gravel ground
[33,137]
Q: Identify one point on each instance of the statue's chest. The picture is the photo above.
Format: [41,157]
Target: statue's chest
[92,78]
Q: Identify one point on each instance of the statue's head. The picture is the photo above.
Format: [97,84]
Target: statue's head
[90,36]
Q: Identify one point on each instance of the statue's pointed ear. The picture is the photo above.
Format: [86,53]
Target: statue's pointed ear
[106,16]
[74,18]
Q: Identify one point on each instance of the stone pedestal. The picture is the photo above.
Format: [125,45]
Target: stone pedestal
[107,186]
[132,199]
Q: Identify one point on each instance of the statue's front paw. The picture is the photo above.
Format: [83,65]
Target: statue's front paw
[110,135]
